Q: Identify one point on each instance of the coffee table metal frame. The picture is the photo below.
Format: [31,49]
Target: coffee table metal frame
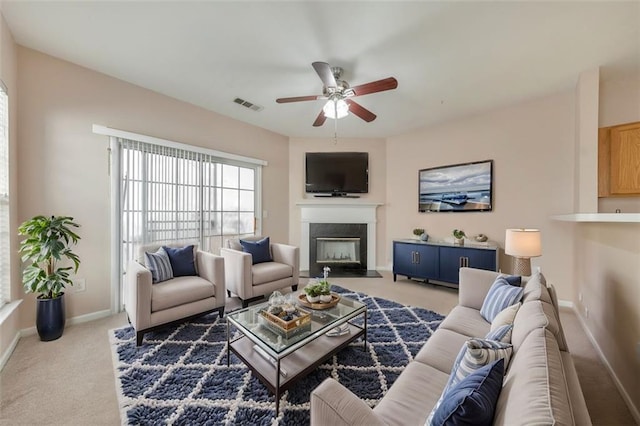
[295,360]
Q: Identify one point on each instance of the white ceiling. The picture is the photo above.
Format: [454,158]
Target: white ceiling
[451,59]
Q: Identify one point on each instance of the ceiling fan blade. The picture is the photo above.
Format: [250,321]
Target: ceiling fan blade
[297,99]
[360,111]
[375,86]
[324,72]
[320,119]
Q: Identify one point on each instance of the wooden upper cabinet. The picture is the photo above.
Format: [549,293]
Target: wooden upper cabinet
[619,160]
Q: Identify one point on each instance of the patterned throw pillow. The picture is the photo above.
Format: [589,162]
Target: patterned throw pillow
[182,261]
[500,334]
[259,250]
[473,400]
[159,265]
[474,354]
[500,295]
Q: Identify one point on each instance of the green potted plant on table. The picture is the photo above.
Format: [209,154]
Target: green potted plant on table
[48,244]
[458,235]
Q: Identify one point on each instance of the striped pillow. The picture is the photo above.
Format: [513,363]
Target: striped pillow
[500,295]
[159,265]
[475,354]
[500,334]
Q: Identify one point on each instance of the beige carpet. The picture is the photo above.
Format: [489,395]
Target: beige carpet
[70,381]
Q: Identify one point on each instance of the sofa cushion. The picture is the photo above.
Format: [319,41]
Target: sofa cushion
[535,388]
[179,291]
[412,396]
[159,265]
[467,321]
[533,315]
[182,260]
[536,289]
[473,400]
[500,295]
[259,250]
[441,349]
[270,271]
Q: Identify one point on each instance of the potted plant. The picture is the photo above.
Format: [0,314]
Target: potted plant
[418,232]
[313,292]
[46,247]
[324,288]
[458,235]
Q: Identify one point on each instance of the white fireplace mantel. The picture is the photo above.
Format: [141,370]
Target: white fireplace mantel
[338,211]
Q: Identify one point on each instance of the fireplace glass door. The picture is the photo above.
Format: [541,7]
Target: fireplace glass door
[338,250]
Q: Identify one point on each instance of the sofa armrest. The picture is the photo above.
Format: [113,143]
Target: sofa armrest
[237,270]
[211,268]
[334,405]
[474,286]
[138,284]
[289,255]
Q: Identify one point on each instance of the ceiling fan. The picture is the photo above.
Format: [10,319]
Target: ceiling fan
[339,94]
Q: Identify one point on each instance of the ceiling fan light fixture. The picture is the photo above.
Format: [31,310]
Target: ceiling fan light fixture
[336,108]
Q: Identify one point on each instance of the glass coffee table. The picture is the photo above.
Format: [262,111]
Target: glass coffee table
[279,361]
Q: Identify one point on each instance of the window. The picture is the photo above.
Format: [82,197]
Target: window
[5,241]
[171,194]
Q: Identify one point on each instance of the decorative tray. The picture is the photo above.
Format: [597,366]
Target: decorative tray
[300,322]
[302,299]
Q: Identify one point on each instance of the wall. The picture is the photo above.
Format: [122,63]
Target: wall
[531,144]
[608,267]
[8,73]
[377,178]
[64,166]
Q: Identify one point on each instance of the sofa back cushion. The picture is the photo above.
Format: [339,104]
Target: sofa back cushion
[535,389]
[531,316]
[536,289]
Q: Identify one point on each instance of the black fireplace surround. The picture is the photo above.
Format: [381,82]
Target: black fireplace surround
[337,230]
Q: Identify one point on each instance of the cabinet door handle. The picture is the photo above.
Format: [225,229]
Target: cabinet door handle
[413,257]
[417,257]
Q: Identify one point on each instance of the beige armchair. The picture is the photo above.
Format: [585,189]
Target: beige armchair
[151,306]
[252,282]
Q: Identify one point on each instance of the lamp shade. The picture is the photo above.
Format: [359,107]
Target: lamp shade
[523,243]
[335,108]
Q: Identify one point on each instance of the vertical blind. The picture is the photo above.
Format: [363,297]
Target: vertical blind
[170,194]
[5,241]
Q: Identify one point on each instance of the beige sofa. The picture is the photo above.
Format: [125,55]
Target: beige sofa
[151,306]
[540,386]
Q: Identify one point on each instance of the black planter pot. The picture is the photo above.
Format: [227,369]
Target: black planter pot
[50,317]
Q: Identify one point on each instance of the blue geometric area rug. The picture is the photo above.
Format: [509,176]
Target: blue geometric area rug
[179,376]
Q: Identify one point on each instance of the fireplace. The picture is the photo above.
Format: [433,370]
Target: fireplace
[339,212]
[340,246]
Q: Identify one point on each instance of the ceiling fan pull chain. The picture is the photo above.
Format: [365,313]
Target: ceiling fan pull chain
[335,128]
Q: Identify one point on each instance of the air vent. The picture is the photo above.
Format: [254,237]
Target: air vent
[248,104]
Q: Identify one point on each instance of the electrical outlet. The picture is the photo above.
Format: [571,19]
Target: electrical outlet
[79,285]
[580,296]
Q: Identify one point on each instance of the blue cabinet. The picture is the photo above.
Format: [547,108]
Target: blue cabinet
[439,261]
[415,260]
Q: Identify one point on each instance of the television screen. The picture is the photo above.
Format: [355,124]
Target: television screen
[337,172]
[457,188]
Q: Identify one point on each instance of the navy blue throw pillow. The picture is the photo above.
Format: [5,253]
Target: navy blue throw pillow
[259,250]
[515,280]
[473,400]
[182,261]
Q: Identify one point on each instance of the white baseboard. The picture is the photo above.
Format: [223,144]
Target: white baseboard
[32,330]
[7,354]
[625,396]
[71,321]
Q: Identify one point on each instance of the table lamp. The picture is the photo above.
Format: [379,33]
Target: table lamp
[522,244]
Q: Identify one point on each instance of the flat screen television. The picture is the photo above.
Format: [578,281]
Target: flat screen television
[464,187]
[337,173]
